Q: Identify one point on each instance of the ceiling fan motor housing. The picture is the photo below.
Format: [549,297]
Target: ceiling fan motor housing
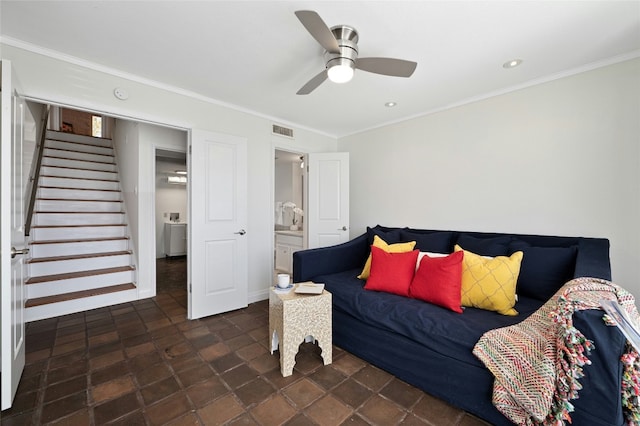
[347,38]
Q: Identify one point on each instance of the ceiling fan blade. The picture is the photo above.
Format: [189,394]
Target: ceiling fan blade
[387,66]
[313,83]
[319,30]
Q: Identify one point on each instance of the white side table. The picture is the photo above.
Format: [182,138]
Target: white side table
[292,317]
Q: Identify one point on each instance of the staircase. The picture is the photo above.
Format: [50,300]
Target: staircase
[80,255]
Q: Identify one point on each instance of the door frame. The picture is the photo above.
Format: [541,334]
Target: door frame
[278,144]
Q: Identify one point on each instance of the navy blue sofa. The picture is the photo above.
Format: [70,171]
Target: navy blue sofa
[430,347]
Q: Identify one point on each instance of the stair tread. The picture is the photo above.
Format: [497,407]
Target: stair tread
[77,189]
[79,240]
[79,178]
[80,199]
[80,143]
[38,301]
[78,226]
[78,168]
[58,133]
[78,256]
[79,152]
[76,159]
[79,274]
[58,212]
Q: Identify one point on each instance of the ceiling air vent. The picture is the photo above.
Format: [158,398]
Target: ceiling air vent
[282,131]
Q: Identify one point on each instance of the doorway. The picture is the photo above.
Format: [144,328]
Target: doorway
[289,208]
[171,200]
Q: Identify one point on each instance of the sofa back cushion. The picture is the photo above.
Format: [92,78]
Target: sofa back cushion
[490,246]
[389,235]
[544,269]
[434,242]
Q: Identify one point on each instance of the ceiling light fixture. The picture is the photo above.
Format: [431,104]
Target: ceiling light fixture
[177,179]
[512,63]
[390,104]
[341,73]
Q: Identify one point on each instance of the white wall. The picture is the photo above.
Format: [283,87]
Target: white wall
[560,158]
[170,198]
[59,84]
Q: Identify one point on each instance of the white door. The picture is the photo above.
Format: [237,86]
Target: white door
[218,255]
[328,199]
[12,188]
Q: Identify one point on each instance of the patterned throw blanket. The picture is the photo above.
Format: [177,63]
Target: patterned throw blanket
[537,363]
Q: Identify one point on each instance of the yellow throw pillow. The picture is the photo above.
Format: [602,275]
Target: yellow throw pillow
[490,283]
[389,248]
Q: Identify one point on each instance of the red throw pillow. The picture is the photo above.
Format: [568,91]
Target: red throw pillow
[438,280]
[391,272]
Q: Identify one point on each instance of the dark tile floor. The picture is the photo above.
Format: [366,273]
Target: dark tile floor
[143,363]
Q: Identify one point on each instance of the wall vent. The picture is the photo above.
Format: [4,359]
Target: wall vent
[282,131]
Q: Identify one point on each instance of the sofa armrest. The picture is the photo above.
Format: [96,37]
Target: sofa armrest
[593,259]
[600,401]
[311,263]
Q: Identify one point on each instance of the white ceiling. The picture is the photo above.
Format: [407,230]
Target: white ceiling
[255,55]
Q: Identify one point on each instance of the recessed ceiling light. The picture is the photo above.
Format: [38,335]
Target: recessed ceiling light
[390,104]
[512,63]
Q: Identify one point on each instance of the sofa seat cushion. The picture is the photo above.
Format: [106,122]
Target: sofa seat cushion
[437,328]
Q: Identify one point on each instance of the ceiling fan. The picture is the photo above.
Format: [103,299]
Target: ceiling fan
[341,54]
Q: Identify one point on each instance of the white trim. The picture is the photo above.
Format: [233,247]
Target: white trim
[546,79]
[118,73]
[152,83]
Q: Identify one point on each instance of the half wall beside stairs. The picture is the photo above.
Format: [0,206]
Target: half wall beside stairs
[80,250]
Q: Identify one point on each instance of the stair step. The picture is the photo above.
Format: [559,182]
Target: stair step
[78,178]
[50,285]
[68,247]
[79,274]
[77,218]
[78,147]
[68,162]
[76,240]
[41,312]
[74,155]
[58,232]
[72,137]
[66,182]
[77,206]
[77,256]
[75,263]
[78,295]
[59,157]
[78,173]
[53,192]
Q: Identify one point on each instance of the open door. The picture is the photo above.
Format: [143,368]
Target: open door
[218,244]
[328,199]
[12,239]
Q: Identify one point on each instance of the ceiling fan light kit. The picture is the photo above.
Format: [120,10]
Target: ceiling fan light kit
[341,54]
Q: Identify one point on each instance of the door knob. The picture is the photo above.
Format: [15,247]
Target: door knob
[241,232]
[344,228]
[14,252]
